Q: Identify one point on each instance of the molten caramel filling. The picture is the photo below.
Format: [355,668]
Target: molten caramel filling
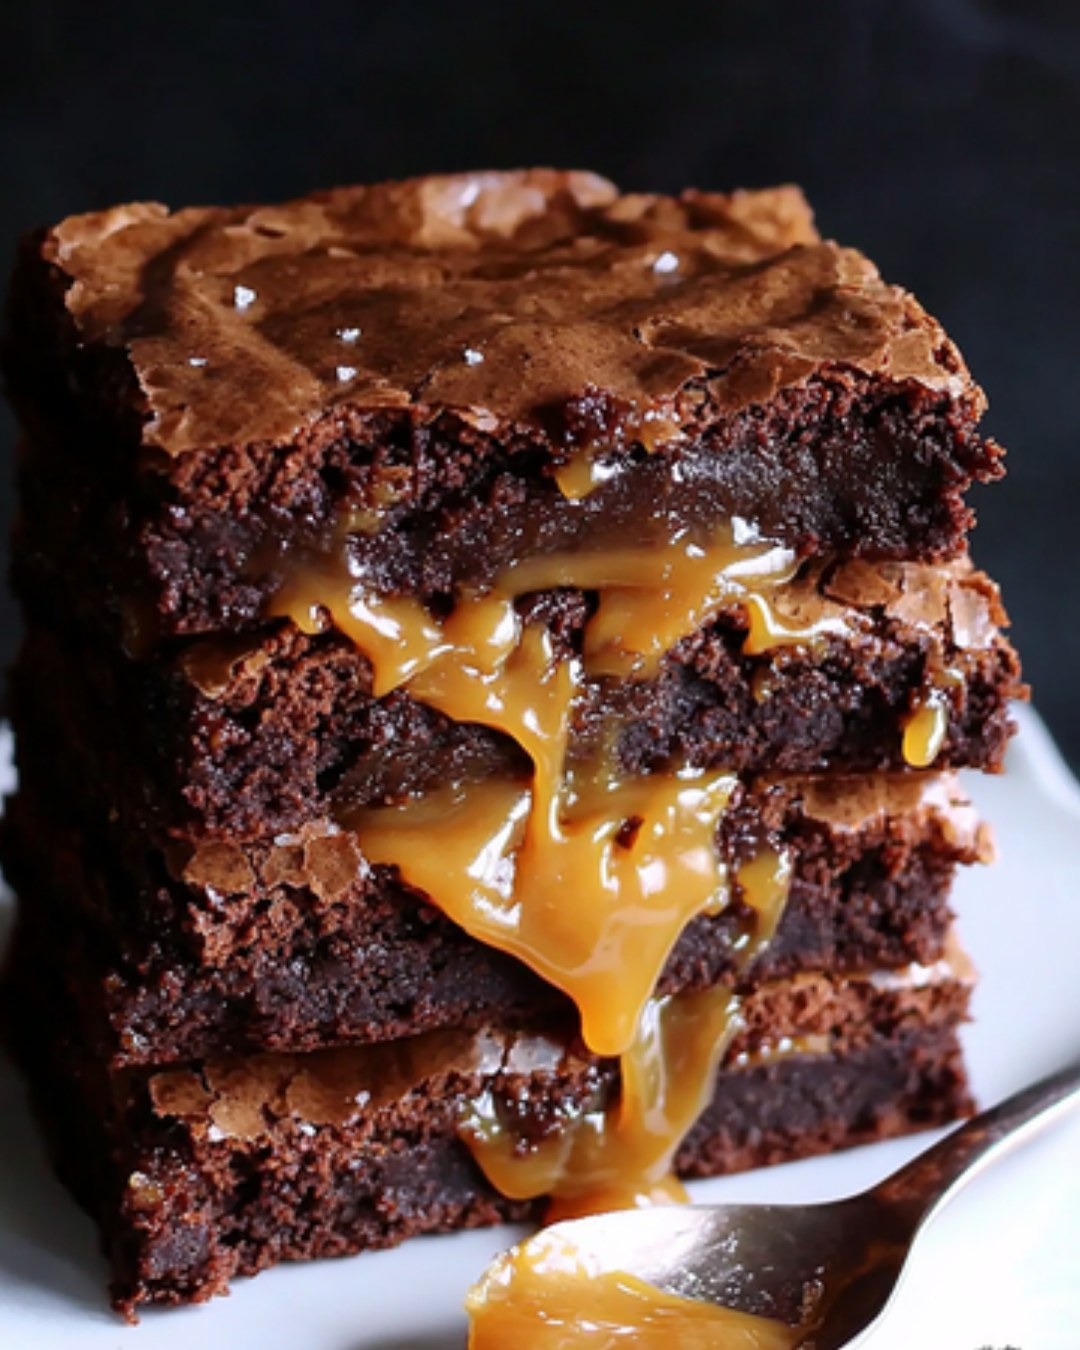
[546,1294]
[593,898]
[589,881]
[590,465]
[927,725]
[619,1156]
[649,594]
[587,876]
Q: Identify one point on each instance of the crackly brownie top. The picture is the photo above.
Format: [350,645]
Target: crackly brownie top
[502,295]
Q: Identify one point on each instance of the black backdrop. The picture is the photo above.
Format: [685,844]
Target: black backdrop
[942,136]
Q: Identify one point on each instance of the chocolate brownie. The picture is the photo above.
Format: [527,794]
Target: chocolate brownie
[304,965]
[496,650]
[200,1173]
[210,393]
[258,734]
[235,902]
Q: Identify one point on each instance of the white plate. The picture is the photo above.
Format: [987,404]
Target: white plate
[1000,1268]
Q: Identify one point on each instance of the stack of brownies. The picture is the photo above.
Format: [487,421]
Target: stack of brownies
[496,654]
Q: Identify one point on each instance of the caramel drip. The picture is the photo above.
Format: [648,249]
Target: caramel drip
[764,881]
[589,881]
[592,899]
[582,474]
[768,629]
[649,596]
[546,1294]
[925,729]
[590,465]
[587,877]
[618,1156]
[927,725]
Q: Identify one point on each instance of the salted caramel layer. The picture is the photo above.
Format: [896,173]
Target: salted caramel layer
[594,901]
[618,1156]
[927,725]
[649,594]
[587,877]
[547,1294]
[327,859]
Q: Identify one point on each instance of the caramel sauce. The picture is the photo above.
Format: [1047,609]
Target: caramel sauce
[588,881]
[588,877]
[546,1294]
[582,474]
[618,1156]
[650,594]
[763,882]
[588,466]
[927,725]
[595,912]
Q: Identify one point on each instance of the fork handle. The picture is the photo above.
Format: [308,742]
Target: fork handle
[925,1183]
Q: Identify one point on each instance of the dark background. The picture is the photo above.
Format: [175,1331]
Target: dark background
[941,136]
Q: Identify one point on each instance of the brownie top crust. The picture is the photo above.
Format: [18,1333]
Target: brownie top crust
[508,297]
[243,1098]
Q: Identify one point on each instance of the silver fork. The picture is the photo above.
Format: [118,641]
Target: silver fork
[833,1266]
